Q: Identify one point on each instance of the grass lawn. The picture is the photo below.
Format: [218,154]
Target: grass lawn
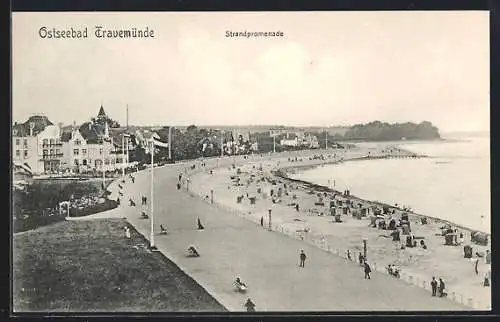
[91,266]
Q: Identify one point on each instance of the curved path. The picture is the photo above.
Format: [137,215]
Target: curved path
[267,261]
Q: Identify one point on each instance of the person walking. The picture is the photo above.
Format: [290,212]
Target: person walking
[434,285]
[367,270]
[200,226]
[441,288]
[302,258]
[476,262]
[486,282]
[250,305]
[360,257]
[262,221]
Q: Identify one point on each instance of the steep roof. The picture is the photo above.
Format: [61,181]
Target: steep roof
[92,133]
[19,130]
[65,136]
[40,122]
[101,112]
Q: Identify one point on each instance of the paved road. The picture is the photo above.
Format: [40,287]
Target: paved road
[267,261]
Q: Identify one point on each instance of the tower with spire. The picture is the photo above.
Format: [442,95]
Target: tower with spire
[101,116]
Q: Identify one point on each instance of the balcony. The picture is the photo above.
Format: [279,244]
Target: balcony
[48,145]
[51,156]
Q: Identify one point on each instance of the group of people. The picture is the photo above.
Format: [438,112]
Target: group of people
[393,270]
[438,287]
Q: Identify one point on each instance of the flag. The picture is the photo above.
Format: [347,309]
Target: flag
[160,143]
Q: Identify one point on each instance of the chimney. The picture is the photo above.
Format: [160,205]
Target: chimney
[32,126]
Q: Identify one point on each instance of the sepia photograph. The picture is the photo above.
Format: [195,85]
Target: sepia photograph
[230,162]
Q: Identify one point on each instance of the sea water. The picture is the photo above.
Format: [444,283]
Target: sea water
[452,184]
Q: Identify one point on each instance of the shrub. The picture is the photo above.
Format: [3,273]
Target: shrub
[100,207]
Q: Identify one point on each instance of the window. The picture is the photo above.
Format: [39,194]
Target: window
[51,151]
[45,152]
[106,161]
[25,153]
[18,141]
[76,151]
[76,162]
[84,162]
[25,142]
[58,151]
[113,161]
[18,153]
[84,151]
[118,160]
[45,141]
[78,142]
[97,163]
[51,141]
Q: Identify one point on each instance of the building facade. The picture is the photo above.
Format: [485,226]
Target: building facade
[49,149]
[91,147]
[36,143]
[50,154]
[82,155]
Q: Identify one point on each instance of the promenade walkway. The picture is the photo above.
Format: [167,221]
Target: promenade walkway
[232,246]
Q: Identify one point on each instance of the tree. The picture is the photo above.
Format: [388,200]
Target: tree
[378,131]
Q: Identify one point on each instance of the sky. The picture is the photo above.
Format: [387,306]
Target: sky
[329,68]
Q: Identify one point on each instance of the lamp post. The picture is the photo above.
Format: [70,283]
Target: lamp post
[152,237]
[126,137]
[102,168]
[270,211]
[170,143]
[127,147]
[222,144]
[364,248]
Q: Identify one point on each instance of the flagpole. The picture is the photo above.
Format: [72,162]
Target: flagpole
[103,171]
[123,155]
[127,151]
[222,144]
[152,238]
[326,136]
[170,143]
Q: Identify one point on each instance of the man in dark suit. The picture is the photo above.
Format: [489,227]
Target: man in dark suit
[434,285]
[302,258]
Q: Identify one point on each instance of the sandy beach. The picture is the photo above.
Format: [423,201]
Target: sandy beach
[230,245]
[256,177]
